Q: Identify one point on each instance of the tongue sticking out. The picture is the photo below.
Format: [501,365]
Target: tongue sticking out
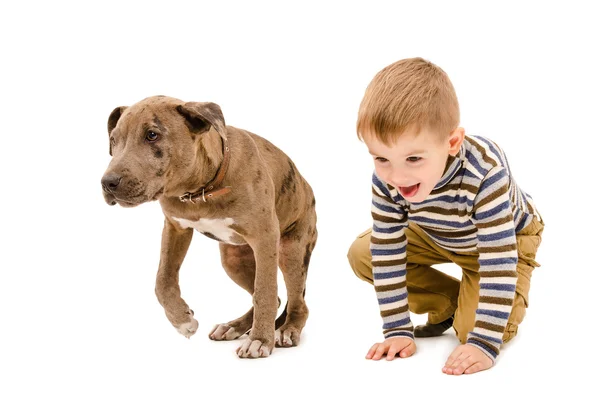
[409,191]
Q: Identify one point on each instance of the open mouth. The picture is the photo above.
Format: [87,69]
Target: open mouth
[409,191]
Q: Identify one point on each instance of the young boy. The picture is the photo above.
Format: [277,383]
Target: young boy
[440,196]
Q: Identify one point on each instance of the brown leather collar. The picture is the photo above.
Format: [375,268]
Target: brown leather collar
[207,192]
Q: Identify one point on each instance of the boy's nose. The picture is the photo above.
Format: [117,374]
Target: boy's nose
[398,179]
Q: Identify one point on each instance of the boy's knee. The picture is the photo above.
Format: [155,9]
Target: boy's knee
[359,257]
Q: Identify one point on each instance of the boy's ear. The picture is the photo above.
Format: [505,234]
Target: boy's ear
[455,140]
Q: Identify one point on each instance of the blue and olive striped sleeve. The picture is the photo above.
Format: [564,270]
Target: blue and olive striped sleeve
[497,247]
[388,250]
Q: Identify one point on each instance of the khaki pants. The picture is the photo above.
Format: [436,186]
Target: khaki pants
[440,295]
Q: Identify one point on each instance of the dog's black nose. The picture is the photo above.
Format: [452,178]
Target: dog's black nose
[111,181]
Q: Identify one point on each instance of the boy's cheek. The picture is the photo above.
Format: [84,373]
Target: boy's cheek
[381,173]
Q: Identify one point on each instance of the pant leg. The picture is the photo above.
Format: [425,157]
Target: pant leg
[429,290]
[359,256]
[528,241]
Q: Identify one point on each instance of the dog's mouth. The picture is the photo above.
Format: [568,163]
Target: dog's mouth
[127,202]
[130,201]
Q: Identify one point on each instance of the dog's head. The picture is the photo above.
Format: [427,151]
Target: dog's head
[152,141]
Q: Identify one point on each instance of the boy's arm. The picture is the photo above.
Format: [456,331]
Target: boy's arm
[388,250]
[497,246]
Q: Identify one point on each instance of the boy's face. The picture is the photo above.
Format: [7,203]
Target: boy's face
[415,163]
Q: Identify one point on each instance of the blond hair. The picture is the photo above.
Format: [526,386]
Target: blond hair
[409,94]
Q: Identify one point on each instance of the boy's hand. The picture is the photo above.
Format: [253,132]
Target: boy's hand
[405,347]
[466,359]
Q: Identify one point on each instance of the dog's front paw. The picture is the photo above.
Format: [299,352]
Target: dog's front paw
[189,328]
[253,348]
[224,332]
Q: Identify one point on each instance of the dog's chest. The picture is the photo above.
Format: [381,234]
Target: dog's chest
[219,229]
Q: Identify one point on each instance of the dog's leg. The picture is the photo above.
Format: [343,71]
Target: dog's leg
[174,246]
[239,264]
[296,249]
[261,340]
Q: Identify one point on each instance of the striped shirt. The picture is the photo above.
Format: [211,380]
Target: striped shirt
[475,207]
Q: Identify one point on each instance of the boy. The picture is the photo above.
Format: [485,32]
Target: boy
[440,196]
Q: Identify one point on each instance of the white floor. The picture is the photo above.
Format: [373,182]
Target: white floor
[83,320]
[77,306]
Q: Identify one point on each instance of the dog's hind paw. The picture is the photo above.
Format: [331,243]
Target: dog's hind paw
[224,332]
[253,349]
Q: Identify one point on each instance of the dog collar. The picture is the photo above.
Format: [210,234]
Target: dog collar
[207,191]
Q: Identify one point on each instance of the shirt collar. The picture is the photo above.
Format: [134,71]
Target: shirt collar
[453,164]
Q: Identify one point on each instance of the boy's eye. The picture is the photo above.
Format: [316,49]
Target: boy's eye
[381,159]
[413,159]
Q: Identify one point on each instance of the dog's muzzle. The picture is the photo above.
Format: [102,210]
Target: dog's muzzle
[110,182]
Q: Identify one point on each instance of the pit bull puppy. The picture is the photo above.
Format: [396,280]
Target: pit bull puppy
[230,185]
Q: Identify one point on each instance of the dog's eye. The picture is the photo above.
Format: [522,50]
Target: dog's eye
[151,136]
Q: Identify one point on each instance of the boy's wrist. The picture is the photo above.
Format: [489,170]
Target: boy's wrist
[490,349]
[399,334]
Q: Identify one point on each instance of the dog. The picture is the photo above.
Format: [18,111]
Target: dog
[230,185]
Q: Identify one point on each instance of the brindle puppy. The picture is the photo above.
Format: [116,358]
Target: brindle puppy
[230,185]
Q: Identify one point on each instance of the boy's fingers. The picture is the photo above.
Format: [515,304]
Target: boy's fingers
[453,361]
[380,352]
[408,350]
[452,358]
[449,362]
[391,353]
[463,365]
[455,358]
[478,366]
[391,349]
[372,351]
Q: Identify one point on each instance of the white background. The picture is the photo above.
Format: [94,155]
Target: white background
[77,307]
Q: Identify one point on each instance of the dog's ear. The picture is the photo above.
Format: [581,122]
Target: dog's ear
[114,117]
[200,116]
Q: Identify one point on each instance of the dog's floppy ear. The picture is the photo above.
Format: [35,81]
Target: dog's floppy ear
[114,117]
[200,116]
